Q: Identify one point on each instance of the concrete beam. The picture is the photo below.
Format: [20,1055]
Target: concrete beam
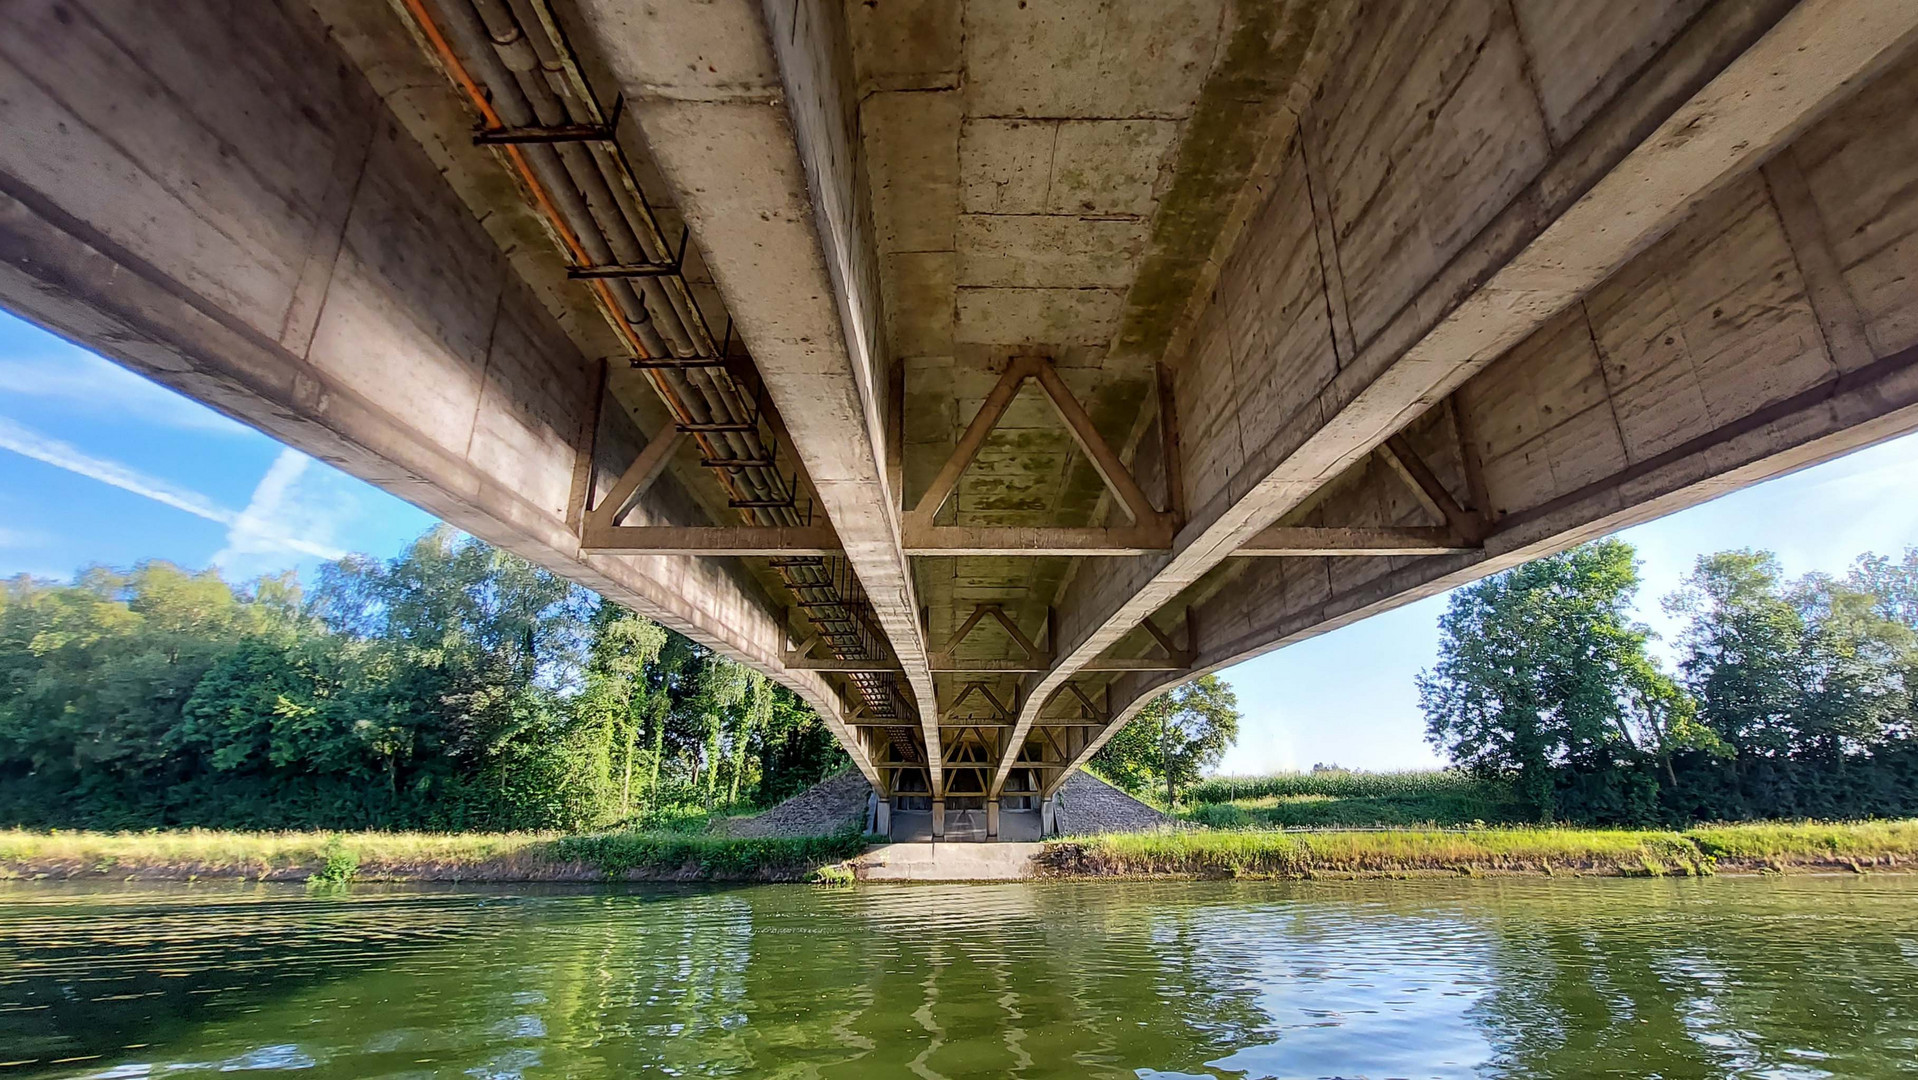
[1772,329]
[266,238]
[746,111]
[1706,111]
[1298,541]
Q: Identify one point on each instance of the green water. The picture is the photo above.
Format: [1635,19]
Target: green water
[1794,977]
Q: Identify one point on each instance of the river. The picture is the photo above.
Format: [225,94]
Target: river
[1792,977]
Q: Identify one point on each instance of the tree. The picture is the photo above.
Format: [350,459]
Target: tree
[1893,585]
[454,686]
[1174,739]
[1816,668]
[1855,670]
[1744,650]
[796,749]
[616,701]
[1540,668]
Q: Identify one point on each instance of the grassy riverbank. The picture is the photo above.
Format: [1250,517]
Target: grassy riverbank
[1855,846]
[379,856]
[1186,852]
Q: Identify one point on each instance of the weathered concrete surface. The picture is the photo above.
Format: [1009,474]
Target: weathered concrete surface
[1582,265]
[746,113]
[1772,328]
[1448,249]
[226,206]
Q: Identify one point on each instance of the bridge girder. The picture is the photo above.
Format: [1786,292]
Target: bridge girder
[1271,315]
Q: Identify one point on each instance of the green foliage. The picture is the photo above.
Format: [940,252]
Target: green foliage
[1811,669]
[338,864]
[454,687]
[679,854]
[1173,740]
[1540,668]
[1794,699]
[1338,797]
[834,874]
[332,858]
[1883,784]
[1336,783]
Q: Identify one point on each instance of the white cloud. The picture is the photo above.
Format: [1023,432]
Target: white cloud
[274,522]
[80,380]
[29,443]
[289,502]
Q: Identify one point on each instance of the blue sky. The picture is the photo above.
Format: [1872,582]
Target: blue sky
[98,465]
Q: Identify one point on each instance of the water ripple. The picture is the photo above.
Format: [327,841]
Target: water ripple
[1794,978]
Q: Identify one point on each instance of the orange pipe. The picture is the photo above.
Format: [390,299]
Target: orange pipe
[474,93]
[477,95]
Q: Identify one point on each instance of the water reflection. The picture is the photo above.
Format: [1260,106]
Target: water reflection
[1803,977]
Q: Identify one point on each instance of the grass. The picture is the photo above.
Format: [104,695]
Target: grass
[1337,798]
[338,863]
[1188,852]
[1801,842]
[1632,852]
[382,856]
[617,854]
[834,874]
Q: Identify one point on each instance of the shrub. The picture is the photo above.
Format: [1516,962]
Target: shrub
[618,854]
[338,863]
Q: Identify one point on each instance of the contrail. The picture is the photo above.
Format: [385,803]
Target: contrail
[61,455]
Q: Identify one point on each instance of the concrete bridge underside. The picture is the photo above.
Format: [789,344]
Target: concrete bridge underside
[981,368]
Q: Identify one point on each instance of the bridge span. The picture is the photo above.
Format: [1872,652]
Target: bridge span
[980,368]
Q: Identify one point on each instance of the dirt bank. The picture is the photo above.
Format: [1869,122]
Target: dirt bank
[1858,847]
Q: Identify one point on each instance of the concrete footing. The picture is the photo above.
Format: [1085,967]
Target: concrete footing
[948,862]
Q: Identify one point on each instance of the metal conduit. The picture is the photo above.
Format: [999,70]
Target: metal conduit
[513,61]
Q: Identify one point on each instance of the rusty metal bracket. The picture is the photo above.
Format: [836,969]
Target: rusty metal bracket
[673,267]
[553,133]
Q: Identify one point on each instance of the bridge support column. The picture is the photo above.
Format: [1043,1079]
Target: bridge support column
[882,818]
[1049,816]
[992,819]
[938,819]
